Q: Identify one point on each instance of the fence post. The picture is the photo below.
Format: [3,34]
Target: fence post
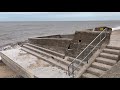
[68,71]
[73,70]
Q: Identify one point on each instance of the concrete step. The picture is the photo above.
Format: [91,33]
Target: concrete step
[106,61]
[88,75]
[109,56]
[101,66]
[47,59]
[47,54]
[46,50]
[113,47]
[95,71]
[111,51]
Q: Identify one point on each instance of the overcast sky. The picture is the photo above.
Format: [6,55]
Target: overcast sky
[58,16]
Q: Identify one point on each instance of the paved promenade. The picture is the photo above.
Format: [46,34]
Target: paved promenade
[114,41]
[115,38]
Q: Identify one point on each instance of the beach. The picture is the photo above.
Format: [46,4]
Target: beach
[13,32]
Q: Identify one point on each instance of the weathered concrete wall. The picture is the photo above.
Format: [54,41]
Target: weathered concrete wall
[71,47]
[85,36]
[60,42]
[80,41]
[52,36]
[71,36]
[59,36]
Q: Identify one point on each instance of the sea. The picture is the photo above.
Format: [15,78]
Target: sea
[19,31]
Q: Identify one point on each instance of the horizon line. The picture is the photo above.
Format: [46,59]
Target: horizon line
[58,20]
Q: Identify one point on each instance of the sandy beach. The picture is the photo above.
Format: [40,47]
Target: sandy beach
[12,32]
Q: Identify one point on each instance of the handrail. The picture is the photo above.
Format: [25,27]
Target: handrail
[71,64]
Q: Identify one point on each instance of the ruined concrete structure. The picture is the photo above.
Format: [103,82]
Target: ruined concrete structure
[70,45]
[62,50]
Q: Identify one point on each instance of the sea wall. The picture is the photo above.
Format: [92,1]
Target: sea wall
[59,42]
[81,40]
[70,46]
[71,36]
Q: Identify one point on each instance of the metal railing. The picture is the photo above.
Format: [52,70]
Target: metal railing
[86,53]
